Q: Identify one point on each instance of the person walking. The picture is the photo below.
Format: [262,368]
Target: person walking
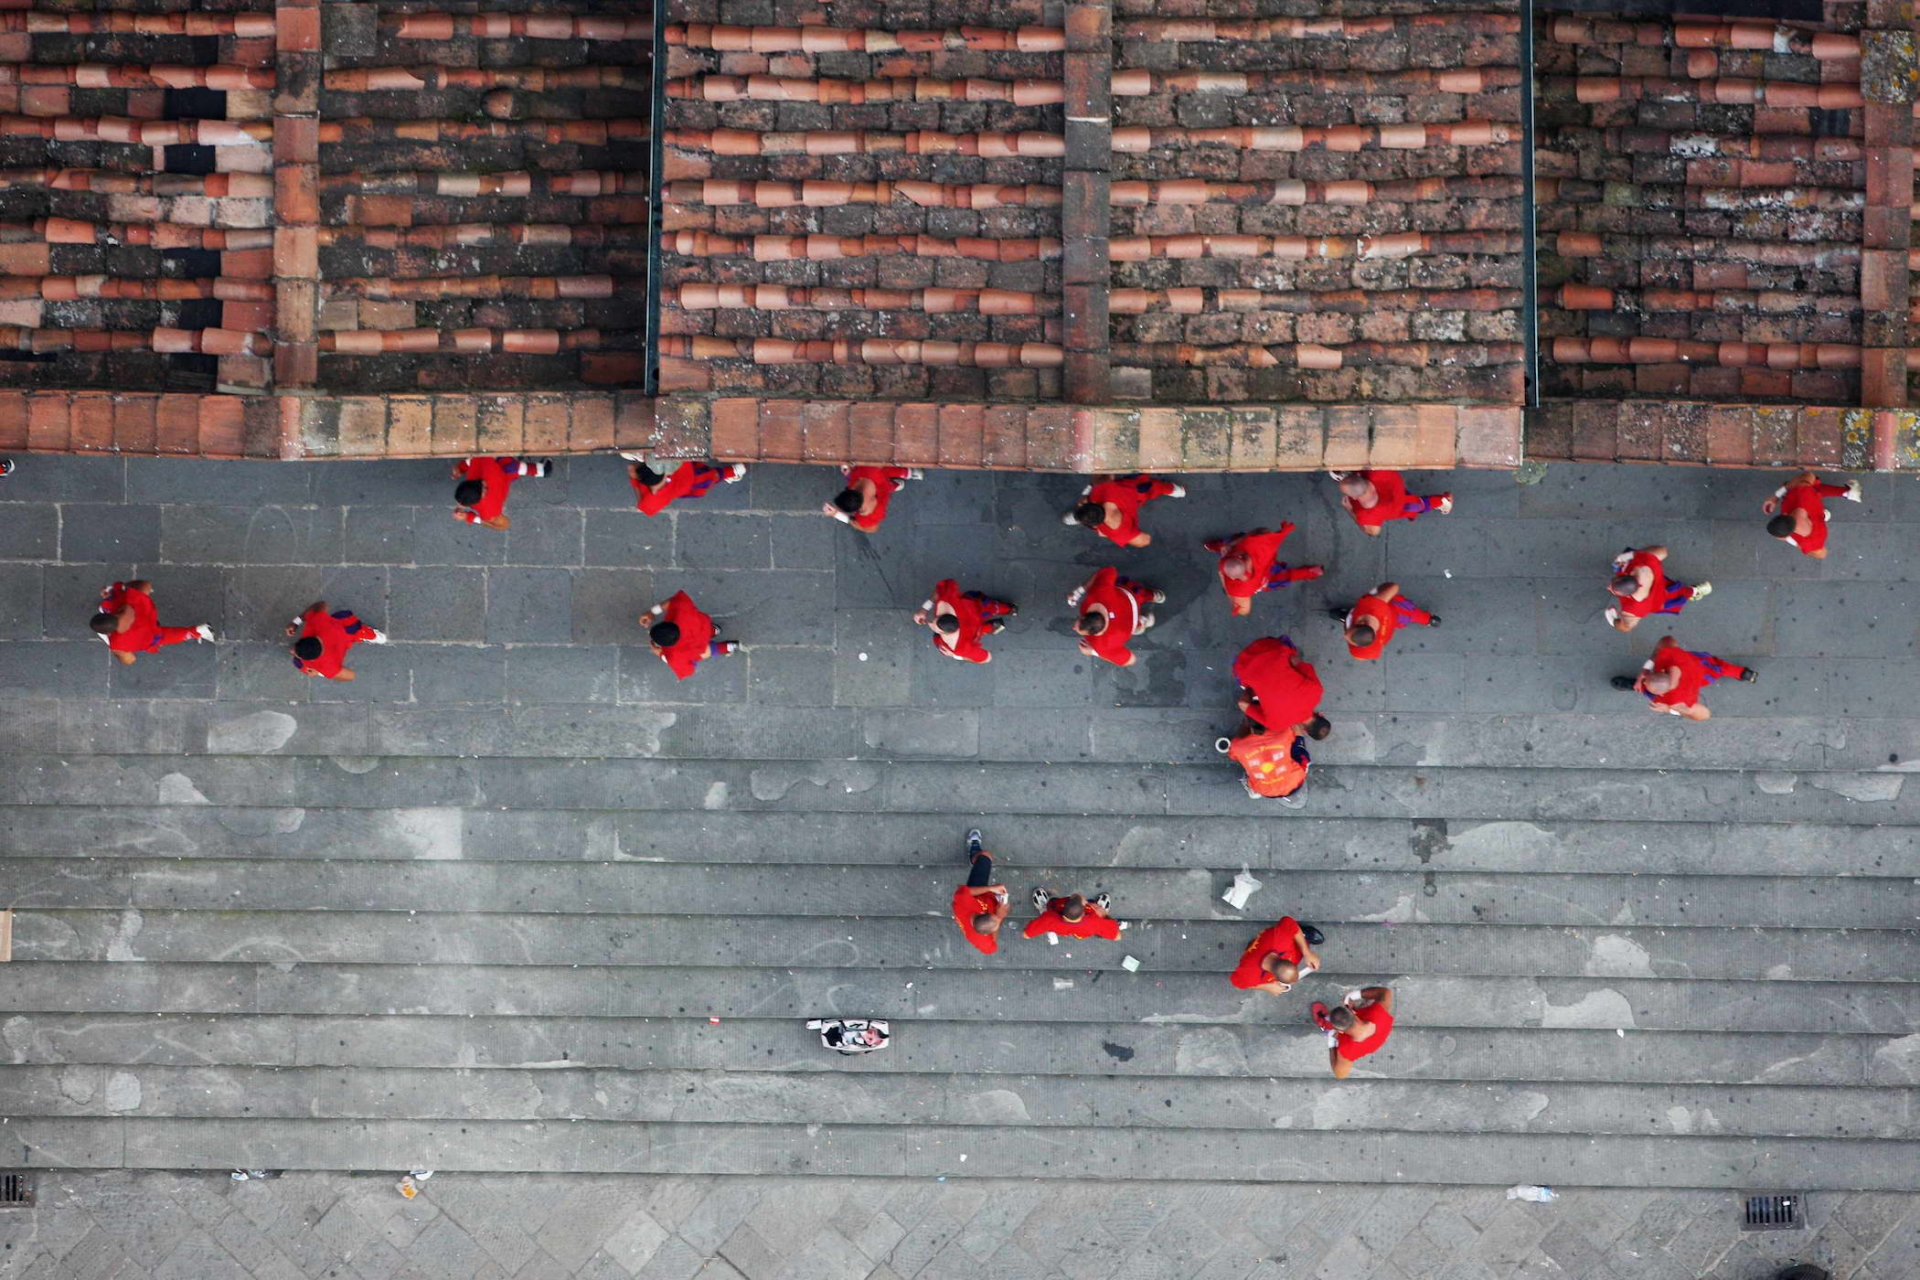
[1279,689]
[869,493]
[960,620]
[1113,610]
[1111,507]
[980,906]
[1375,498]
[1374,618]
[1277,958]
[1275,762]
[1250,564]
[481,496]
[691,479]
[1074,916]
[1641,588]
[322,640]
[129,622]
[1674,678]
[1799,511]
[682,635]
[1356,1028]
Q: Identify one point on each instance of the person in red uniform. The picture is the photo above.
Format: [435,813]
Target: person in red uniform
[1357,1029]
[1111,508]
[960,619]
[1274,961]
[682,635]
[1673,679]
[481,496]
[1376,616]
[980,906]
[1074,916]
[1276,763]
[690,480]
[869,492]
[1250,564]
[130,622]
[1799,511]
[322,640]
[1377,497]
[1278,690]
[1641,588]
[1113,610]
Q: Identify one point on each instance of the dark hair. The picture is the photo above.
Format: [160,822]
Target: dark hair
[103,623]
[468,492]
[648,476]
[1074,908]
[1319,727]
[1090,513]
[1361,636]
[849,501]
[947,623]
[307,648]
[664,634]
[1343,1018]
[1624,585]
[1091,624]
[1780,526]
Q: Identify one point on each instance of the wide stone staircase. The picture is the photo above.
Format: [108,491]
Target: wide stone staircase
[549,937]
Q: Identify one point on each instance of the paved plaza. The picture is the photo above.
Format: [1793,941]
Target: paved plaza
[516,905]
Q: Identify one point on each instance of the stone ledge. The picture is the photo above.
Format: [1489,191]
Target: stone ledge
[1723,435]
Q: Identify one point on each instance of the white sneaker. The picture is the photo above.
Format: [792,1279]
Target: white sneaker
[205,632]
[1068,520]
[376,637]
[1611,615]
[1445,505]
[1179,491]
[735,474]
[1146,622]
[1075,596]
[1702,591]
[1853,491]
[1159,597]
[1337,476]
[915,473]
[633,455]
[1041,898]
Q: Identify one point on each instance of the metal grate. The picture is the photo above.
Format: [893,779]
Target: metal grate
[16,1190]
[1773,1212]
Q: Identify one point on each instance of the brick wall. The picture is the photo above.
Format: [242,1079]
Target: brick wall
[870,210]
[1317,209]
[1702,193]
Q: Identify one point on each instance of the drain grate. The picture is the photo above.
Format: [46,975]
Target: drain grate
[16,1190]
[1773,1212]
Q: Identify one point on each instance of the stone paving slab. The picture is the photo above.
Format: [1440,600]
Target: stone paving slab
[477,908]
[507,1227]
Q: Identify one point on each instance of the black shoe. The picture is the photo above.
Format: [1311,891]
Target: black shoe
[974,844]
[1749,675]
[1433,619]
[1314,936]
[1624,682]
[1339,615]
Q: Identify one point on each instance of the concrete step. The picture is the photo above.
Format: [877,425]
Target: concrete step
[346,937]
[1328,898]
[1289,1047]
[1283,842]
[1553,740]
[932,1150]
[961,1099]
[985,995]
[1841,799]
